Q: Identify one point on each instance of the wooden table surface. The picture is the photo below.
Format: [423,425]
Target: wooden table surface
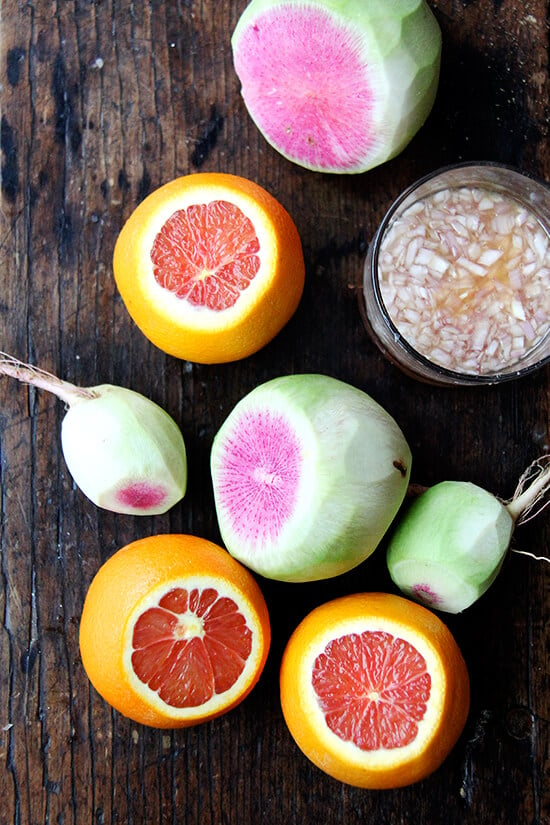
[103,101]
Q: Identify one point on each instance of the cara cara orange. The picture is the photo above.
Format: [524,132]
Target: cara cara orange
[210,267]
[374,690]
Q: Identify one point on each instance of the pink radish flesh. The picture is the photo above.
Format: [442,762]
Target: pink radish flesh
[142,494]
[260,476]
[329,108]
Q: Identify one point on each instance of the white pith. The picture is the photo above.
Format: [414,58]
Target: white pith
[220,700]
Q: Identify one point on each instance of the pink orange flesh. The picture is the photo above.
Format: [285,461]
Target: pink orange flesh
[373,689]
[191,646]
[206,254]
[258,485]
[289,92]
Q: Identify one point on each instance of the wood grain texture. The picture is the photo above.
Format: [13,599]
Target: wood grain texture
[103,101]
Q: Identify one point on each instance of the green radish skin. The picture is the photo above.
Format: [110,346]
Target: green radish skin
[308,473]
[338,86]
[449,545]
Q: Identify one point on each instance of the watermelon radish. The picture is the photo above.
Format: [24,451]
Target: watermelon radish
[338,85]
[449,546]
[124,452]
[308,472]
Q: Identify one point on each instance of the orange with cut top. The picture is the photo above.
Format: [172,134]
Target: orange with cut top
[174,631]
[374,690]
[210,267]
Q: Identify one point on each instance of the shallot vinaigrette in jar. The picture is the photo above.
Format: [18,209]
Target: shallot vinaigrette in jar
[459,276]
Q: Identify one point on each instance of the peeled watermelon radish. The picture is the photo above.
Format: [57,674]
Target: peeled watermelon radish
[308,473]
[338,85]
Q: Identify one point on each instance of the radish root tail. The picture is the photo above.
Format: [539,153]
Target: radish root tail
[36,377]
[531,495]
[531,555]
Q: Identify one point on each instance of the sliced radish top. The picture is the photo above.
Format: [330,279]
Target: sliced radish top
[338,86]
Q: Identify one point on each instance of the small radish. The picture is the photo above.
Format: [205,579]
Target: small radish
[123,451]
[449,546]
[338,85]
[308,472]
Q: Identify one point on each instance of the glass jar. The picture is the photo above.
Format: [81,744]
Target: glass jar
[456,282]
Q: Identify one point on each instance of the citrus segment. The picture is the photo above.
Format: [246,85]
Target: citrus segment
[173,631]
[210,267]
[379,705]
[374,690]
[206,254]
[193,645]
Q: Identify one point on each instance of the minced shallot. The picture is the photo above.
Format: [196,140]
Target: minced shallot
[465,277]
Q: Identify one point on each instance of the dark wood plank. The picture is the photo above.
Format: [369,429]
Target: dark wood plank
[102,102]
